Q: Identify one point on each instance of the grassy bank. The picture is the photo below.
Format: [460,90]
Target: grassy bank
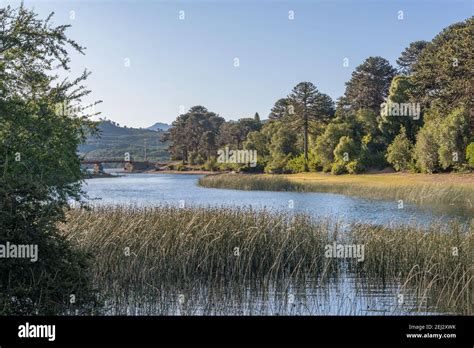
[153,251]
[450,189]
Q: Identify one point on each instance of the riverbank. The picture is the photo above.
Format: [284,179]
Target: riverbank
[99,175]
[166,171]
[449,189]
[162,253]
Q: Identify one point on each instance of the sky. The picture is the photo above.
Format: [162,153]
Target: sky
[152,60]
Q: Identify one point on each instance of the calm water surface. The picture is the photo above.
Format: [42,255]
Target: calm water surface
[176,189]
[346,296]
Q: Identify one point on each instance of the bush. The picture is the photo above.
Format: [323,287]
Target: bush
[399,152]
[354,167]
[327,142]
[338,168]
[375,160]
[470,155]
[196,158]
[453,138]
[426,149]
[296,164]
[180,167]
[278,164]
[346,150]
[211,164]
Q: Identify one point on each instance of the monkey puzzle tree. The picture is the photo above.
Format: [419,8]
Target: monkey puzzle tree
[369,85]
[309,105]
[409,57]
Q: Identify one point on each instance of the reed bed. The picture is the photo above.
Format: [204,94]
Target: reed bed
[437,263]
[141,254]
[413,192]
[169,245]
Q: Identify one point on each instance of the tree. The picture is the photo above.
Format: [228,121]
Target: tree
[399,152]
[441,142]
[327,142]
[233,133]
[194,133]
[443,72]
[280,110]
[257,117]
[409,57]
[369,84]
[453,138]
[282,148]
[400,92]
[40,167]
[309,104]
[426,147]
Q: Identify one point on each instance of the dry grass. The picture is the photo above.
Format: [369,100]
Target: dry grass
[453,190]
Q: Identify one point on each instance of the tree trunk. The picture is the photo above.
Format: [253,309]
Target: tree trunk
[305,125]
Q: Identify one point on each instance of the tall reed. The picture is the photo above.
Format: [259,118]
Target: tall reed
[145,252]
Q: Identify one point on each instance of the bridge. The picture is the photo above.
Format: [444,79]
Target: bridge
[129,166]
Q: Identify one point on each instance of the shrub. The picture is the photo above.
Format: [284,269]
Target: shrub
[399,152]
[296,164]
[346,150]
[211,164]
[452,138]
[470,155]
[354,167]
[338,168]
[426,149]
[327,142]
[180,167]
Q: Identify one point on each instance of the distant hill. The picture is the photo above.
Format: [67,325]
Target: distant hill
[159,126]
[115,141]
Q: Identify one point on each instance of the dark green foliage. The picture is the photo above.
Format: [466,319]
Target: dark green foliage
[399,153]
[308,104]
[327,142]
[470,155]
[401,91]
[40,168]
[409,57]
[443,72]
[428,132]
[369,84]
[196,131]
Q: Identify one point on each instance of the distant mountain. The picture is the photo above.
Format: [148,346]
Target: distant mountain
[114,141]
[159,126]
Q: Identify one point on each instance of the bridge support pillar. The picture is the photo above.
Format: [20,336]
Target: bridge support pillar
[98,168]
[129,167]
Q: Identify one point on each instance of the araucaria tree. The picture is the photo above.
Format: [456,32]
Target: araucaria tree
[193,135]
[40,170]
[369,84]
[308,104]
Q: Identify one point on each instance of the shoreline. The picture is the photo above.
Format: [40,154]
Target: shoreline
[452,189]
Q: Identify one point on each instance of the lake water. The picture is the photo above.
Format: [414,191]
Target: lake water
[176,189]
[343,296]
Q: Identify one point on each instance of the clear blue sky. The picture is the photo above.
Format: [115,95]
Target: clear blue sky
[188,62]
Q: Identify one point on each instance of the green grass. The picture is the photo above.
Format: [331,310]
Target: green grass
[367,186]
[175,250]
